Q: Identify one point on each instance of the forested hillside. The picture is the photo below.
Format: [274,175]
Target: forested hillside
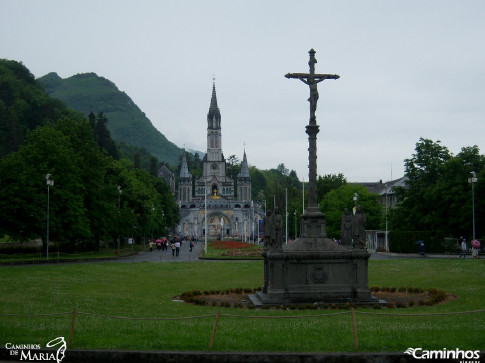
[94,197]
[24,105]
[127,123]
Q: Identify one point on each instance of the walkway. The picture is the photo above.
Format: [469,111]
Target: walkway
[166,256]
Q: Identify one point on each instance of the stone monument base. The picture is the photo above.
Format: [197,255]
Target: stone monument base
[313,270]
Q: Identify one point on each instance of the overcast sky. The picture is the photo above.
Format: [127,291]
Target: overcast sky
[408,69]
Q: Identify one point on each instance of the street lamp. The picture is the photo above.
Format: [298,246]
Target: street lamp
[119,213]
[205,216]
[473,179]
[222,228]
[251,216]
[296,232]
[387,228]
[286,214]
[49,182]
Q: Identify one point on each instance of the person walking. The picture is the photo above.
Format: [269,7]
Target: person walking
[151,246]
[463,247]
[173,248]
[177,247]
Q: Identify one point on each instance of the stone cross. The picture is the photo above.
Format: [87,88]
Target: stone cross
[312,129]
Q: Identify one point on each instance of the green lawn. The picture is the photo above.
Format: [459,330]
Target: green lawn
[146,290]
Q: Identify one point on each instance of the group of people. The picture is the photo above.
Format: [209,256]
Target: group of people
[175,244]
[464,248]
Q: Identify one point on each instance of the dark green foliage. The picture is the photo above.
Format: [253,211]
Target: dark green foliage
[334,203]
[405,241]
[329,182]
[85,206]
[127,123]
[24,105]
[438,198]
[103,136]
[148,162]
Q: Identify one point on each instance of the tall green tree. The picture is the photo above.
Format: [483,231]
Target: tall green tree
[438,197]
[47,150]
[335,201]
[328,183]
[103,136]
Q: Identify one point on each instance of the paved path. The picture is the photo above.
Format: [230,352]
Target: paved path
[185,255]
[166,256]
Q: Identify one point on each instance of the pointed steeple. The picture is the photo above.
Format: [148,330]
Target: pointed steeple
[184,168]
[214,115]
[244,167]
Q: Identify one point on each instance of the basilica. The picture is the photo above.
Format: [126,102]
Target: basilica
[214,203]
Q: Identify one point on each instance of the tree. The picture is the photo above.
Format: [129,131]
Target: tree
[47,150]
[328,183]
[103,136]
[335,201]
[24,105]
[282,169]
[438,197]
[233,166]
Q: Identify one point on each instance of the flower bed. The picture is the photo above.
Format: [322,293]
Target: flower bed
[233,249]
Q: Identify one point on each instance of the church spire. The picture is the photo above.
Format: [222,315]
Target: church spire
[214,115]
[184,168]
[244,167]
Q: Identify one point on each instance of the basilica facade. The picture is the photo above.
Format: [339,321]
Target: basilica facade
[214,203]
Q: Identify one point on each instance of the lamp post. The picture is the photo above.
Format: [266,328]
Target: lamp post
[303,197]
[387,230]
[222,228]
[49,182]
[286,214]
[296,232]
[205,215]
[119,213]
[251,215]
[473,179]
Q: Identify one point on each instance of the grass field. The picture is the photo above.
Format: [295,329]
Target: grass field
[146,290]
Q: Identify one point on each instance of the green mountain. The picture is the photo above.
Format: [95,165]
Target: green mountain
[126,122]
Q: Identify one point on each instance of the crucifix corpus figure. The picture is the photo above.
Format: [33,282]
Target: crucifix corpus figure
[312,79]
[312,129]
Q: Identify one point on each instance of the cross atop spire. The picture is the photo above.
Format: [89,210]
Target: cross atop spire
[214,115]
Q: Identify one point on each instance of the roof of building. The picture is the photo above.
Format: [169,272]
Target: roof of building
[380,186]
[166,172]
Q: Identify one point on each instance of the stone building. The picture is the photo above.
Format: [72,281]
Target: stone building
[165,174]
[216,199]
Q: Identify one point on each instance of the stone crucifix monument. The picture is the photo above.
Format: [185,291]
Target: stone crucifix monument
[314,268]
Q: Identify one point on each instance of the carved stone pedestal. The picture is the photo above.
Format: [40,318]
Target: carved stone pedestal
[315,269]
